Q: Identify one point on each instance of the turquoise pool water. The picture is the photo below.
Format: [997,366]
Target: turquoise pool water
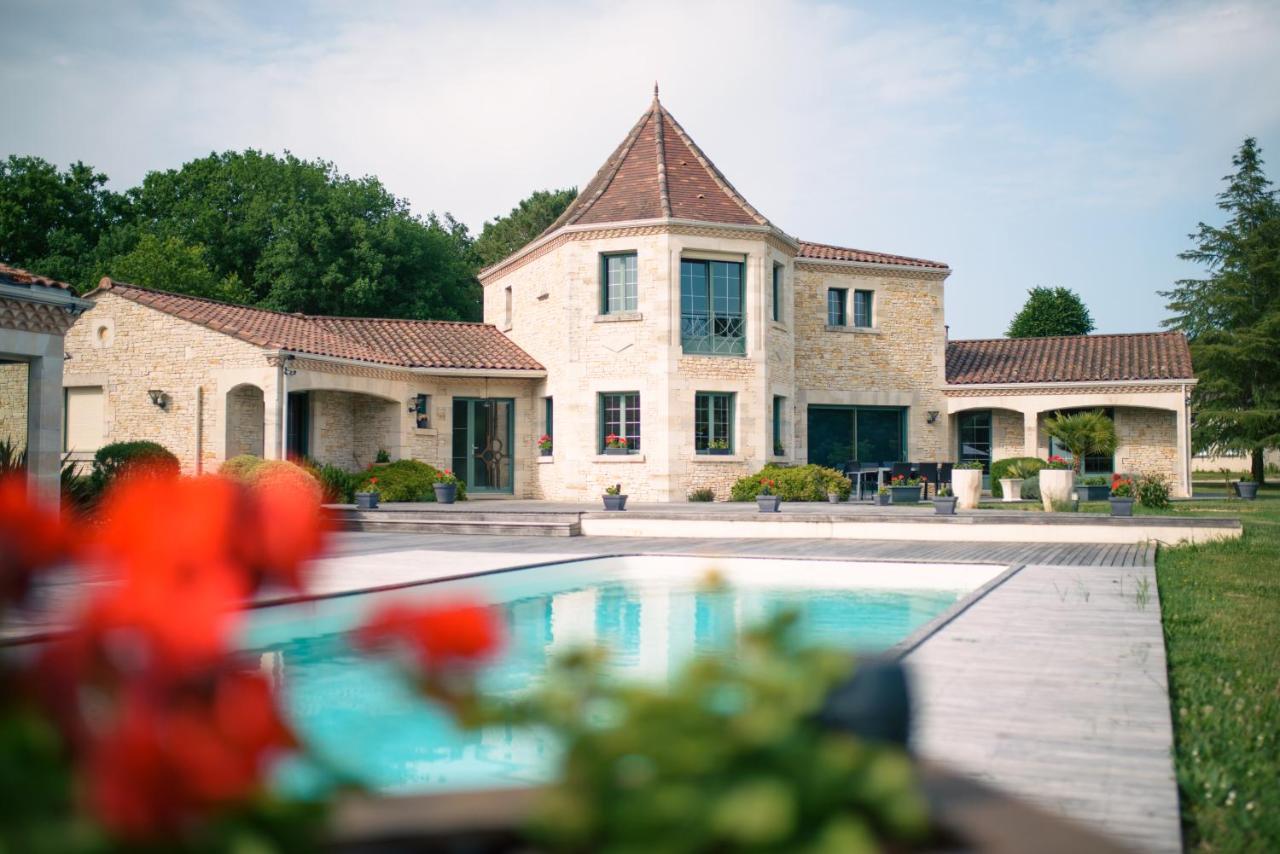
[652,614]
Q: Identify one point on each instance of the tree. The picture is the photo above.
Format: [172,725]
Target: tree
[505,234]
[50,221]
[1083,434]
[1232,316]
[171,265]
[1051,311]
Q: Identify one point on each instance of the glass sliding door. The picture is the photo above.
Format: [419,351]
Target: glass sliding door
[482,443]
[867,434]
[975,437]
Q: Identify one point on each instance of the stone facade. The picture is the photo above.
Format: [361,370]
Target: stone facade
[1007,435]
[13,403]
[1148,442]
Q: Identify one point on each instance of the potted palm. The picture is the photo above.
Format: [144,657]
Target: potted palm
[766,499]
[944,503]
[1083,434]
[613,498]
[1247,488]
[1122,494]
[905,490]
[368,500]
[446,487]
[966,480]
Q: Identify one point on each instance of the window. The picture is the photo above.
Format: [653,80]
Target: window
[82,432]
[711,308]
[620,288]
[777,292]
[778,403]
[867,434]
[506,315]
[713,422]
[837,299]
[620,416]
[422,411]
[548,417]
[975,438]
[862,308]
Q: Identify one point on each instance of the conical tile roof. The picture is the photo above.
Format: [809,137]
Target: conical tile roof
[658,172]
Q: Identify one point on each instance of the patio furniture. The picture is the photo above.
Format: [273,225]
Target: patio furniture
[859,472]
[928,472]
[944,473]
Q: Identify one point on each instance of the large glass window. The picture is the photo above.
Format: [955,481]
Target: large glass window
[778,403]
[711,307]
[620,416]
[837,300]
[620,283]
[713,422]
[862,308]
[866,434]
[975,437]
[548,417]
[777,292]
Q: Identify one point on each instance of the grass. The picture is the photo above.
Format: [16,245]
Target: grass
[1221,610]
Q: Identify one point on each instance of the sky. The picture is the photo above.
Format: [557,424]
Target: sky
[1023,143]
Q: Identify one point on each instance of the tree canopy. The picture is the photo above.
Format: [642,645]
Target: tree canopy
[505,234]
[252,227]
[1051,311]
[1232,316]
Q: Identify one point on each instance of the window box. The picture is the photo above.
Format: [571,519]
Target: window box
[718,452]
[617,452]
[904,494]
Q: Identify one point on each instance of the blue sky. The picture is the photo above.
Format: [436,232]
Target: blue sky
[1023,143]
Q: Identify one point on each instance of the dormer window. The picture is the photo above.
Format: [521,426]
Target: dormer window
[620,288]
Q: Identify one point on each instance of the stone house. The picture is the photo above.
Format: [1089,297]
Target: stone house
[661,313]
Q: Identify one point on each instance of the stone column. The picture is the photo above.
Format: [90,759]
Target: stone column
[1183,472]
[44,414]
[1030,433]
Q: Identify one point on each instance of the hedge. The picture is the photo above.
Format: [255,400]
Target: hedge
[405,480]
[115,459]
[1000,468]
[793,483]
[239,468]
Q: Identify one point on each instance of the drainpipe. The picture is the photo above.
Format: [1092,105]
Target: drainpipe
[199,428]
[282,388]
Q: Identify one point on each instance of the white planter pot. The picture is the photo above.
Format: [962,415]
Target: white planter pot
[1056,485]
[1011,487]
[966,484]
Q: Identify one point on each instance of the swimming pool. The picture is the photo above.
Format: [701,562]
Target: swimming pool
[651,612]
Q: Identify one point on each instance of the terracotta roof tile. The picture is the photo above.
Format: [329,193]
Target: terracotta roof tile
[400,343]
[1076,358]
[823,252]
[23,277]
[658,171]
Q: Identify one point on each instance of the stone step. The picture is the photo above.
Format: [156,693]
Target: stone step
[426,522]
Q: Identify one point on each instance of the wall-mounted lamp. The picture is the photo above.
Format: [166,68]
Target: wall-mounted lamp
[932,417]
[159,398]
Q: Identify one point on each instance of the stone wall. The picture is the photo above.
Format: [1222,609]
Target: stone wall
[13,403]
[127,349]
[899,361]
[245,421]
[1148,442]
[1008,437]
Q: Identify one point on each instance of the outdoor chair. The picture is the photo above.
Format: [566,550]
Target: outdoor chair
[859,472]
[944,473]
[929,473]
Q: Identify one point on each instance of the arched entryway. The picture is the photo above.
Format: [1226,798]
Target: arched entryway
[246,421]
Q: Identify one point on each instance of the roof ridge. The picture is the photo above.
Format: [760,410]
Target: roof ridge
[1091,335]
[107,283]
[854,249]
[716,174]
[605,174]
[664,194]
[397,319]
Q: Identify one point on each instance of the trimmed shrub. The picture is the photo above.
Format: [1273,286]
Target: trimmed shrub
[405,480]
[1153,491]
[283,471]
[239,468]
[115,459]
[794,483]
[1003,468]
[706,493]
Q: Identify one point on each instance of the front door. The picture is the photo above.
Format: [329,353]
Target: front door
[483,452]
[298,425]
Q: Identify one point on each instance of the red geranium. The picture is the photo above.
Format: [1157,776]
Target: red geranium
[437,635]
[32,537]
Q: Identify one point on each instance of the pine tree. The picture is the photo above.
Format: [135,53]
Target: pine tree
[1232,317]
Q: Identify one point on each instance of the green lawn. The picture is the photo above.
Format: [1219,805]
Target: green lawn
[1221,608]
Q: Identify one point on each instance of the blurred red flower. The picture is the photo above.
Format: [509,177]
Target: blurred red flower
[162,762]
[437,635]
[32,537]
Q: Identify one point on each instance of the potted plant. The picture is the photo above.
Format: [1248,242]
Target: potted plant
[766,500]
[718,447]
[883,497]
[613,498]
[944,503]
[382,457]
[615,444]
[1247,487]
[1011,486]
[544,445]
[368,500]
[905,490]
[1057,481]
[446,487]
[1083,434]
[966,480]
[1093,488]
[1122,495]
[833,496]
